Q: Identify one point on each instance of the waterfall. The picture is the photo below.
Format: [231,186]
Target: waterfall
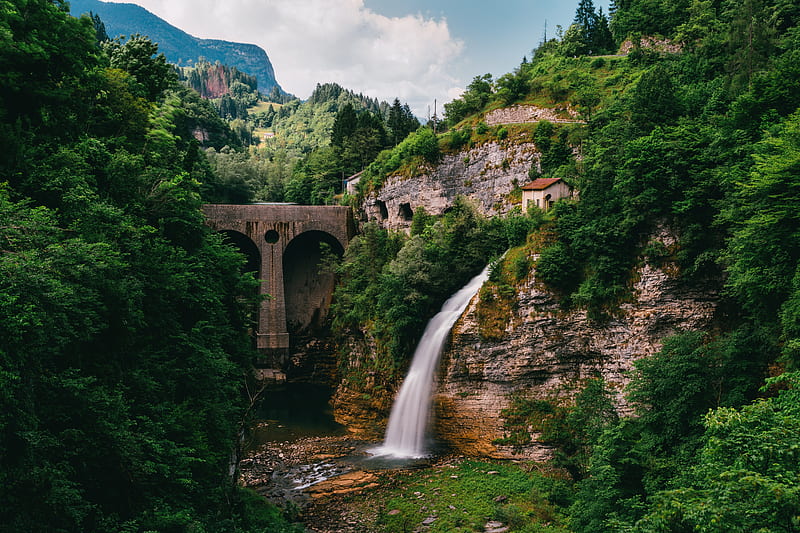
[408,421]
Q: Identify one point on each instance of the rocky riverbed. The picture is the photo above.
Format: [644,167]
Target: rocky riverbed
[319,476]
[334,486]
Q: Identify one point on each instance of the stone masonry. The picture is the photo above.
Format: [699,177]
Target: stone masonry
[271,228]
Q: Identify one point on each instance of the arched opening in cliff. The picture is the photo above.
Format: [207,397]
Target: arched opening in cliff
[406,213]
[384,213]
[307,280]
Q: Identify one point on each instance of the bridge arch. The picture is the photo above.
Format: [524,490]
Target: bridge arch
[245,245]
[308,284]
[273,229]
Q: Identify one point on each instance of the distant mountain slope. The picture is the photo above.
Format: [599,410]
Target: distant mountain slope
[178,46]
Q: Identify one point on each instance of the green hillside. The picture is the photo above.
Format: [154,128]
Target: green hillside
[305,157]
[695,128]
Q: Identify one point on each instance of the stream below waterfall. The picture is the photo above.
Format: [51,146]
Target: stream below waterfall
[291,411]
[293,441]
[295,444]
[296,450]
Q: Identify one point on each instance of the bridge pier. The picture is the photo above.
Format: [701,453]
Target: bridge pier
[272,341]
[272,335]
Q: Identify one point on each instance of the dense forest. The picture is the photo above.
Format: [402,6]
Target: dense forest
[301,151]
[123,321]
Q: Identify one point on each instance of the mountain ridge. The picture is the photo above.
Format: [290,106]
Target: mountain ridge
[178,46]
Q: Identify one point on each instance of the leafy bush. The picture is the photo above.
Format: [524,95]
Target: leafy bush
[421,146]
[557,267]
[458,138]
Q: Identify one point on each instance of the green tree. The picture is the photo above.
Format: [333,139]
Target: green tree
[99,28]
[751,38]
[654,100]
[474,99]
[344,125]
[400,122]
[589,32]
[746,475]
[763,254]
[513,86]
[139,57]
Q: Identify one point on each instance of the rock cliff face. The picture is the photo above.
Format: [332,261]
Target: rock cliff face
[545,352]
[521,114]
[487,174]
[359,403]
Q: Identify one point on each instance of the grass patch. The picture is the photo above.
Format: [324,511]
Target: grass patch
[263,107]
[464,496]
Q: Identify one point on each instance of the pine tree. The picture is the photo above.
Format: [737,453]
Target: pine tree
[595,35]
[99,27]
[344,125]
[401,122]
[602,40]
[585,15]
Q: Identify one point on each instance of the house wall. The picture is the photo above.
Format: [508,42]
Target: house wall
[350,185]
[539,198]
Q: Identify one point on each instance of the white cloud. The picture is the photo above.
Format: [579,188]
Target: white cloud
[342,41]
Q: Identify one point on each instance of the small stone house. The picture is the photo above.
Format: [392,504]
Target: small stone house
[351,182]
[544,192]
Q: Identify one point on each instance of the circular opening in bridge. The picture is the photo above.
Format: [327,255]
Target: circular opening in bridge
[271,236]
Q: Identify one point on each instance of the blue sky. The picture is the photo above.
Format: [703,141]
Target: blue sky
[497,34]
[416,50]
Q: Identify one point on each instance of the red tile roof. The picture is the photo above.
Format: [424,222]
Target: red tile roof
[540,184]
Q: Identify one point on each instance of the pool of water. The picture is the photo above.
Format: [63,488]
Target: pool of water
[293,411]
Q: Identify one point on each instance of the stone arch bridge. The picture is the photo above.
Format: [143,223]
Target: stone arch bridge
[282,243]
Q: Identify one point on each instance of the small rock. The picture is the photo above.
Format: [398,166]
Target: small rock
[500,499]
[428,521]
[492,473]
[454,476]
[495,527]
[452,507]
[394,512]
